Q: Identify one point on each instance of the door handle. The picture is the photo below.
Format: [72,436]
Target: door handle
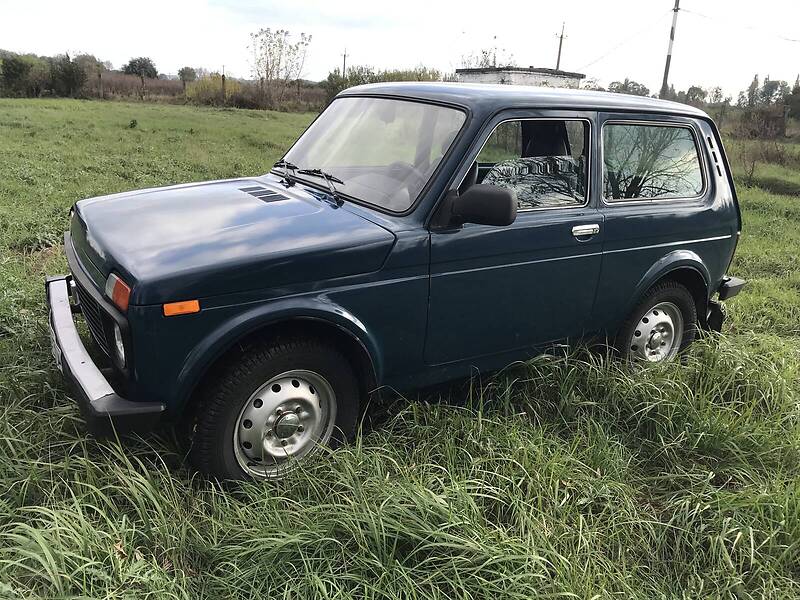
[585,230]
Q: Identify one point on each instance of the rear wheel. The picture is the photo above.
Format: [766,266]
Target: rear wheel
[272,406]
[661,326]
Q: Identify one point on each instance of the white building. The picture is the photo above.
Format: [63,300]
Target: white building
[521,76]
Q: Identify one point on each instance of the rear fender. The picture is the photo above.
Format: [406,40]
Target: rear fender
[670,263]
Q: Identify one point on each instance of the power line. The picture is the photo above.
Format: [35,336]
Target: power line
[627,40]
[743,26]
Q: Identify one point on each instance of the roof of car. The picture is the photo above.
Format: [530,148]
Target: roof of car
[499,96]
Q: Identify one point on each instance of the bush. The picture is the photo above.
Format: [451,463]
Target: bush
[119,85]
[208,90]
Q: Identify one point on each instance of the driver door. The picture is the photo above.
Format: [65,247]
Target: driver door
[496,290]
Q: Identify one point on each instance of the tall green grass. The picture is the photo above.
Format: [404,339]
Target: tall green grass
[568,476]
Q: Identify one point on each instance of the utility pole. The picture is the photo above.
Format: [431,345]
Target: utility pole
[665,84]
[560,43]
[344,64]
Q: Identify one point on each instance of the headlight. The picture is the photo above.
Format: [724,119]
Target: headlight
[119,346]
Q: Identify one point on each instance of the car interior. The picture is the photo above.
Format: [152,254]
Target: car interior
[543,161]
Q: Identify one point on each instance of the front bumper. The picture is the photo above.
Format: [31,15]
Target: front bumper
[103,409]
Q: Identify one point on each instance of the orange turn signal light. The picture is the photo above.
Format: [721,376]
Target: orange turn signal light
[186,307]
[118,291]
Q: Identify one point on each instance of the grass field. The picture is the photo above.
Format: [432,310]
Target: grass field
[568,477]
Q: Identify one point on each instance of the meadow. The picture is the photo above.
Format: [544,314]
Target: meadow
[572,476]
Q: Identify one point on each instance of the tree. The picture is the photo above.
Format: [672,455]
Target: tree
[141,66]
[793,100]
[696,95]
[39,76]
[14,76]
[751,95]
[485,58]
[361,74]
[278,59]
[629,87]
[773,91]
[90,63]
[67,76]
[741,100]
[670,93]
[716,95]
[186,75]
[768,91]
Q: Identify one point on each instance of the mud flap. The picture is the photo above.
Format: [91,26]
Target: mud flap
[715,317]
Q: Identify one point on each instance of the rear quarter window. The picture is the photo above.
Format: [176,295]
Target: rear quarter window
[650,162]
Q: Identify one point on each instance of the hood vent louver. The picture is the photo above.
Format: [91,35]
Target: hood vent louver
[264,194]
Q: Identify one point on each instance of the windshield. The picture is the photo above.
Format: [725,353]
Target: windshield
[383,151]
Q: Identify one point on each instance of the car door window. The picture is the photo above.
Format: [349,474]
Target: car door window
[649,162]
[543,160]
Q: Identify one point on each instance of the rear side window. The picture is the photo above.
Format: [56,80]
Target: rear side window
[646,162]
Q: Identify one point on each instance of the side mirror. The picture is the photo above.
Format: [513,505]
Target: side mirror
[485,205]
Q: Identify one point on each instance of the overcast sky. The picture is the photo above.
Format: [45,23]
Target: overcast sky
[718,42]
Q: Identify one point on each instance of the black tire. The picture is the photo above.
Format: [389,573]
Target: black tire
[664,292]
[212,446]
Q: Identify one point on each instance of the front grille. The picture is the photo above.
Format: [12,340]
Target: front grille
[94,318]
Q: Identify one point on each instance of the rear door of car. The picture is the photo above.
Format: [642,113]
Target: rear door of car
[657,193]
[500,289]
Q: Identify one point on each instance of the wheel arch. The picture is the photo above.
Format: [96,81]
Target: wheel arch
[684,267]
[324,321]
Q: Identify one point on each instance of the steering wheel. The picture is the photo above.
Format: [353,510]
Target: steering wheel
[405,168]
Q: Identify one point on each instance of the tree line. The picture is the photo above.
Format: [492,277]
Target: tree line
[277,65]
[277,62]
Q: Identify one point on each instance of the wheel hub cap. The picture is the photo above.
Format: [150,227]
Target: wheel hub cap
[282,421]
[286,426]
[658,334]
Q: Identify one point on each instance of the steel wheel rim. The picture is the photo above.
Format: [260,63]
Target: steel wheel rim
[283,421]
[658,333]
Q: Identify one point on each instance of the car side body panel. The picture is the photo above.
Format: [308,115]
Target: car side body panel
[646,240]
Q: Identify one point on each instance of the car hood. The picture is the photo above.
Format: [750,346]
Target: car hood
[218,237]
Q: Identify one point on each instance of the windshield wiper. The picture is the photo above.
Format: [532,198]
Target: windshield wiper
[286,166]
[329,180]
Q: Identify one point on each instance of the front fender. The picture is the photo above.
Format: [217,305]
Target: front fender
[221,339]
[677,259]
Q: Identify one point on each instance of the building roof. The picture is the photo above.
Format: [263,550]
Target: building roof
[484,97]
[534,70]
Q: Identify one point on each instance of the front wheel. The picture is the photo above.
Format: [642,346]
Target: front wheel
[271,407]
[661,326]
